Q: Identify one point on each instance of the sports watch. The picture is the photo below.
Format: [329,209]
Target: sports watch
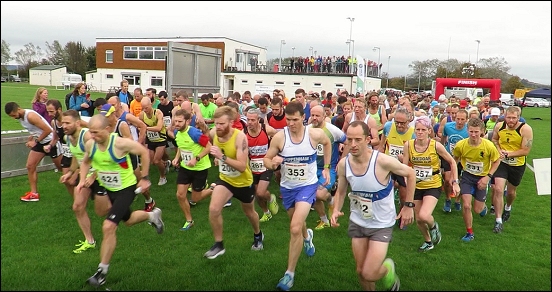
[409,204]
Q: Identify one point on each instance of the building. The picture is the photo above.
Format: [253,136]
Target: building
[142,61]
[47,75]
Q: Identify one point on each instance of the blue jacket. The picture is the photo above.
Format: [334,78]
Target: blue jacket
[75,103]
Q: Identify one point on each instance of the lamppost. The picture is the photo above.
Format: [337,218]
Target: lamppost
[282,42]
[477,56]
[388,60]
[350,32]
[310,50]
[379,55]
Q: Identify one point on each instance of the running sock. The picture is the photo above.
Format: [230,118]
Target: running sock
[330,201]
[498,220]
[149,200]
[324,219]
[104,267]
[507,208]
[470,230]
[258,235]
[292,274]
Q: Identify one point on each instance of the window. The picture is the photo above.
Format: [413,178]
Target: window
[244,81]
[109,56]
[108,76]
[259,82]
[160,53]
[145,53]
[296,83]
[317,84]
[132,79]
[279,82]
[339,85]
[156,81]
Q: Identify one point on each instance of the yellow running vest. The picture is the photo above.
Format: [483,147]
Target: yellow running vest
[228,173]
[426,165]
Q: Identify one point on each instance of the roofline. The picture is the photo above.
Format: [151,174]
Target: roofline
[167,39]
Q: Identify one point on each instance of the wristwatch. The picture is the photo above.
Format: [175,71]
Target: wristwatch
[198,158]
[223,158]
[490,175]
[457,181]
[409,204]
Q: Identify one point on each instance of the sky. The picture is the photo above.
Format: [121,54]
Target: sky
[518,31]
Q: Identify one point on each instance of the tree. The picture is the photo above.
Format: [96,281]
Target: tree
[512,84]
[28,57]
[6,54]
[55,53]
[76,57]
[90,56]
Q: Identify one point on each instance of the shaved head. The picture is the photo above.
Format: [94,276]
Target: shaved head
[145,102]
[186,105]
[98,122]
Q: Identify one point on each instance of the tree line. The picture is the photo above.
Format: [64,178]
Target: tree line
[80,59]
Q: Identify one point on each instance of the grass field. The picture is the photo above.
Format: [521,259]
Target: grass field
[37,240]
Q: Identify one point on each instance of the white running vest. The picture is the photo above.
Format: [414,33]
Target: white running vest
[299,165]
[371,202]
[34,130]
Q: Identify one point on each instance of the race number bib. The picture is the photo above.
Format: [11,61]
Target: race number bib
[296,171]
[257,165]
[510,160]
[153,135]
[186,156]
[363,205]
[167,121]
[228,170]
[110,179]
[423,172]
[320,150]
[475,168]
[65,150]
[395,150]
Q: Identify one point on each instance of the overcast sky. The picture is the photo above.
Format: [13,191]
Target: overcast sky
[518,31]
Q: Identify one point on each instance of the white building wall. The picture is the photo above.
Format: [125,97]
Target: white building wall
[57,76]
[255,82]
[40,77]
[371,83]
[105,79]
[232,48]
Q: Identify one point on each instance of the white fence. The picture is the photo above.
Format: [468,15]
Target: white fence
[14,154]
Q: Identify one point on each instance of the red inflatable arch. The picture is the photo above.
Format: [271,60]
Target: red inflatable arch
[492,84]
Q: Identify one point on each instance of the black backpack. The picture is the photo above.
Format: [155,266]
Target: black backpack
[67,97]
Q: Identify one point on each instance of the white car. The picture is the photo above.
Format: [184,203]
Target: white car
[536,102]
[507,99]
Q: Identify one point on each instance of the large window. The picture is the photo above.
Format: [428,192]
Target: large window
[132,79]
[156,81]
[145,53]
[109,56]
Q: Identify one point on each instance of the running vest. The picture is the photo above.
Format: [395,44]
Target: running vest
[133,130]
[377,117]
[489,124]
[160,136]
[258,146]
[299,165]
[371,202]
[167,113]
[476,160]
[226,172]
[276,122]
[189,147]
[510,140]
[426,165]
[34,130]
[114,173]
[395,141]
[353,118]
[63,142]
[336,137]
[77,150]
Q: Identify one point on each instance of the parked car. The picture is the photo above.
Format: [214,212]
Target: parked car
[3,79]
[15,78]
[536,102]
[507,98]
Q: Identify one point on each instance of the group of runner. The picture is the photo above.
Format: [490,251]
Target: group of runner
[314,149]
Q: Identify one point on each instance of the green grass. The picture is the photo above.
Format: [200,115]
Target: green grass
[37,240]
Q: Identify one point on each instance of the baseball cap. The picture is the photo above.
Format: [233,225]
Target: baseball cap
[434,103]
[107,109]
[442,97]
[495,111]
[463,103]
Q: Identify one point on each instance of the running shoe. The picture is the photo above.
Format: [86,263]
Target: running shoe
[258,242]
[266,217]
[215,251]
[447,206]
[498,228]
[483,212]
[285,283]
[273,206]
[157,222]
[426,246]
[391,281]
[30,197]
[468,237]
[492,210]
[187,225]
[457,206]
[321,225]
[162,181]
[435,234]
[228,204]
[308,245]
[148,207]
[505,216]
[167,166]
[83,246]
[97,279]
